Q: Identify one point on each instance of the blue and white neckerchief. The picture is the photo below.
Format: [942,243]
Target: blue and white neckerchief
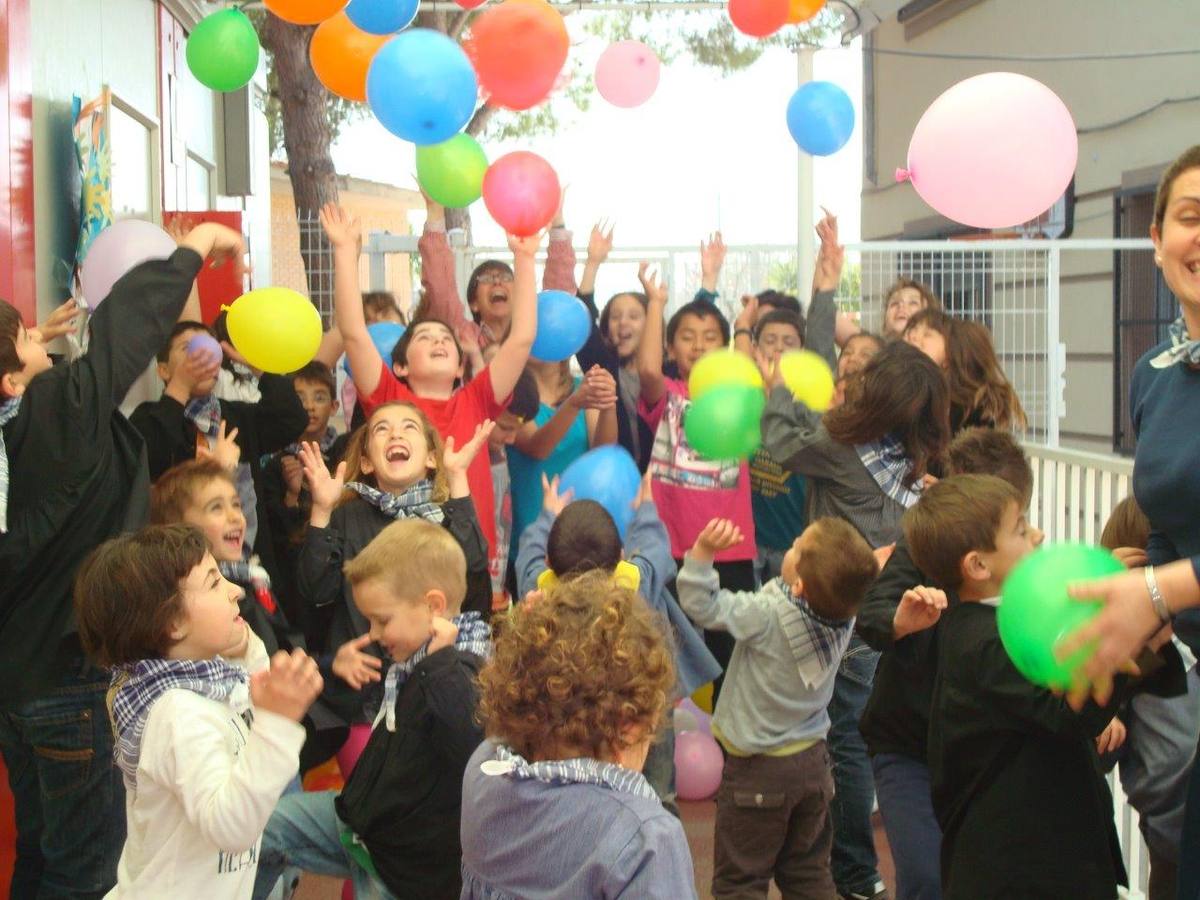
[474,636]
[581,770]
[205,413]
[324,442]
[135,688]
[8,411]
[415,502]
[1182,350]
[889,465]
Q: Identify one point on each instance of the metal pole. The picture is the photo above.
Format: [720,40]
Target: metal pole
[1056,353]
[805,245]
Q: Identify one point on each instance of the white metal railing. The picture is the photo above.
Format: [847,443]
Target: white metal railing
[1073,495]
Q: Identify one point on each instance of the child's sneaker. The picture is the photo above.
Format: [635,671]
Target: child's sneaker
[879,892]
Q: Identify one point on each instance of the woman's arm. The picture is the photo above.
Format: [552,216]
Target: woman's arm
[650,353]
[513,354]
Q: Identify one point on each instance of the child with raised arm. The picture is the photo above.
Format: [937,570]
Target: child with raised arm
[427,364]
[205,748]
[773,815]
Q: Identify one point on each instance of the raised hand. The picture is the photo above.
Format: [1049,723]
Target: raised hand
[552,500]
[293,476]
[597,390]
[712,258]
[343,229]
[919,608]
[224,451]
[830,256]
[289,687]
[600,244]
[458,461]
[61,321]
[354,667]
[749,314]
[653,285]
[718,535]
[325,489]
[526,247]
[197,367]
[443,633]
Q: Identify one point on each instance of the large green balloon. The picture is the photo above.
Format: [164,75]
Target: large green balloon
[1036,613]
[726,422]
[451,172]
[222,50]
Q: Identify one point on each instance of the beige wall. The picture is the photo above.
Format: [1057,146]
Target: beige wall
[381,207]
[1096,92]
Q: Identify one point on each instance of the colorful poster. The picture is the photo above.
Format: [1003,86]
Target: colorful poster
[93,152]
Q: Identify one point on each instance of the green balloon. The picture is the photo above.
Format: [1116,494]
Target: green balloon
[451,172]
[1036,613]
[222,50]
[725,423]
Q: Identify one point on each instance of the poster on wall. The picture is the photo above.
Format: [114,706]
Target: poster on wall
[94,155]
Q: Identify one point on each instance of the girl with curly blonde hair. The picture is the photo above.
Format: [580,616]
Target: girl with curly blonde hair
[570,703]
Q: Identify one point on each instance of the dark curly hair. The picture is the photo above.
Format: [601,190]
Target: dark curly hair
[571,674]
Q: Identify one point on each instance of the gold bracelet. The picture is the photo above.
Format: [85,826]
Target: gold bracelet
[1156,597]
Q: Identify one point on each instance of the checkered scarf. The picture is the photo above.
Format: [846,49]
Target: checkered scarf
[817,643]
[246,573]
[325,442]
[8,411]
[135,689]
[888,464]
[474,636]
[1182,350]
[412,503]
[205,414]
[581,770]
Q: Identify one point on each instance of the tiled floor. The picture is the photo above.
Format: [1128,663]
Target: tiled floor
[697,822]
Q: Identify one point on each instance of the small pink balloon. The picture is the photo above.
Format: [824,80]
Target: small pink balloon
[627,74]
[347,756]
[116,250]
[698,765]
[993,151]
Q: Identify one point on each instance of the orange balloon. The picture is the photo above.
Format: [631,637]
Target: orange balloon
[518,49]
[758,18]
[305,12]
[341,54]
[803,10]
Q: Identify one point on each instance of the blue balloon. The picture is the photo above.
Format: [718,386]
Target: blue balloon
[385,336]
[820,117]
[421,86]
[563,326]
[381,16]
[609,476]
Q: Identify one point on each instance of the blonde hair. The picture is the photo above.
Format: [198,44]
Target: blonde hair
[413,557]
[837,567]
[356,449]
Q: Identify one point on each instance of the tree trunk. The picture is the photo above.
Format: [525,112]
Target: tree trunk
[306,140]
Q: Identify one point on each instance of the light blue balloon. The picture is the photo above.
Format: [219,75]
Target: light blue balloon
[421,86]
[609,476]
[563,326]
[382,16]
[820,117]
[385,336]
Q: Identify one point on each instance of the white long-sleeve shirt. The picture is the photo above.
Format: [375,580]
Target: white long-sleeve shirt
[206,786]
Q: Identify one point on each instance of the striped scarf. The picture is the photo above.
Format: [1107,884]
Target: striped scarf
[205,414]
[415,502]
[474,636]
[888,464]
[1182,350]
[8,411]
[582,770]
[136,687]
[325,442]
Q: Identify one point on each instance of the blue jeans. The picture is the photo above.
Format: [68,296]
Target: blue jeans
[913,833]
[853,860]
[70,801]
[305,832]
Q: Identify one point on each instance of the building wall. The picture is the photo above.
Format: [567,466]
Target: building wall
[380,207]
[1099,95]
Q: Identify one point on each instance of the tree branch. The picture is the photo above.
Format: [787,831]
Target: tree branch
[479,121]
[460,23]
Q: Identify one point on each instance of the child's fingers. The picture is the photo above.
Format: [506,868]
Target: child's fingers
[370,661]
[232,435]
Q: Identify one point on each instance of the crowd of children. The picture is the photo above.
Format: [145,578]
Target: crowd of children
[219,592]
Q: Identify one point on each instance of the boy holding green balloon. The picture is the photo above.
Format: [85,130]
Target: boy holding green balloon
[1023,808]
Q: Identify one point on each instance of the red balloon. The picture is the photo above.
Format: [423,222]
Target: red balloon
[759,18]
[521,192]
[470,4]
[518,49]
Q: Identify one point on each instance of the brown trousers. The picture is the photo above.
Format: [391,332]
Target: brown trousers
[773,821]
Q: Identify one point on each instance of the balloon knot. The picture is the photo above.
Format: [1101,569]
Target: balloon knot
[903,175]
[224,307]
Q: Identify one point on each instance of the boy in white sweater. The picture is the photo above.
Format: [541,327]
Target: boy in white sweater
[206,748]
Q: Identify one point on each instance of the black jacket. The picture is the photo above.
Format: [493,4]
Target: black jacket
[1017,790]
[328,598]
[263,427]
[896,718]
[404,798]
[77,471]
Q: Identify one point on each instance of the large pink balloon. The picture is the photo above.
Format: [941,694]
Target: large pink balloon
[521,191]
[627,73]
[993,151]
[698,765]
[116,250]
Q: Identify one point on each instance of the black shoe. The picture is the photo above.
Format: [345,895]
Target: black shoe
[879,892]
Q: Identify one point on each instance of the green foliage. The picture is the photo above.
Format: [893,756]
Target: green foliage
[784,275]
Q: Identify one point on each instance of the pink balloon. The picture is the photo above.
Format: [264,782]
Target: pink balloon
[627,73]
[993,151]
[703,719]
[116,250]
[347,756]
[698,765]
[521,192]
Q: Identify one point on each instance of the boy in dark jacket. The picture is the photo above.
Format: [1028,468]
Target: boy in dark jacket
[75,476]
[396,822]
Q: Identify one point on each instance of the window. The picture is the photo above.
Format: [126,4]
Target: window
[133,166]
[199,184]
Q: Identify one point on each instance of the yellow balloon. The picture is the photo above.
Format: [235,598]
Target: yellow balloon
[703,697]
[721,368]
[808,377]
[276,329]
